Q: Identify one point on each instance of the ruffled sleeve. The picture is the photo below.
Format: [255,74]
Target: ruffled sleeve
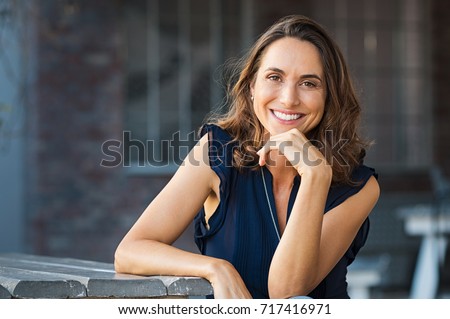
[220,157]
[220,154]
[338,194]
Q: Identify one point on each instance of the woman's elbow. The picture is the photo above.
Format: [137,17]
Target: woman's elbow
[120,260]
[279,290]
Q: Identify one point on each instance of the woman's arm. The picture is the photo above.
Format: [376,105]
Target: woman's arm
[146,249]
[312,243]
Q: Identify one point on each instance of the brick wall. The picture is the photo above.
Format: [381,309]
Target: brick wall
[75,207]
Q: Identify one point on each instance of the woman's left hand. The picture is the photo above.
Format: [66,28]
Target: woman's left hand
[298,150]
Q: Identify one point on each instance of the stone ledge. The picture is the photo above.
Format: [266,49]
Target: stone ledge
[32,276]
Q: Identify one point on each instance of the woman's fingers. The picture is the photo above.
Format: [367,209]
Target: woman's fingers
[289,144]
[295,147]
[231,288]
[227,283]
[276,142]
[264,152]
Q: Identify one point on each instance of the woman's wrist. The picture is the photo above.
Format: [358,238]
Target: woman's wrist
[323,174]
[214,267]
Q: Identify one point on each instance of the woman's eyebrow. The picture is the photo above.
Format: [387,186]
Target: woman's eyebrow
[307,76]
[303,76]
[275,70]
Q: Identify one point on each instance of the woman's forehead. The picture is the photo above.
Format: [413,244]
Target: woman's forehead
[291,54]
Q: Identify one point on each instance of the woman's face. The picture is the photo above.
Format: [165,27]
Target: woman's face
[289,89]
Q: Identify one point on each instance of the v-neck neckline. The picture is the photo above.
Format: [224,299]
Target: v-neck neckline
[271,197]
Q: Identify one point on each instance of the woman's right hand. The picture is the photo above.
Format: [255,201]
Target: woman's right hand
[226,281]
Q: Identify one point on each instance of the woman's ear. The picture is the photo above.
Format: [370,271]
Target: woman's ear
[252,88]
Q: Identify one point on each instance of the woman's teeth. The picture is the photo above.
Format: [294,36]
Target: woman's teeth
[286,117]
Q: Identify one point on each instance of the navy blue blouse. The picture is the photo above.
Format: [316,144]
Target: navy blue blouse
[241,230]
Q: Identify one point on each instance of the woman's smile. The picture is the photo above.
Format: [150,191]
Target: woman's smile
[286,117]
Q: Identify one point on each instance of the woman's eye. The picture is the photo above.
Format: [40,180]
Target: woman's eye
[309,84]
[274,77]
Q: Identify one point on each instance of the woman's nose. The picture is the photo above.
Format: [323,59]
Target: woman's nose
[290,96]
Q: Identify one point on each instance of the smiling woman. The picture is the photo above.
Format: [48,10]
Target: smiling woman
[276,186]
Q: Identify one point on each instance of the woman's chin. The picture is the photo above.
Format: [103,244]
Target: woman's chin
[280,130]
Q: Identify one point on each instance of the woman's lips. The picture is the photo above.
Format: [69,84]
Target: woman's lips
[287,117]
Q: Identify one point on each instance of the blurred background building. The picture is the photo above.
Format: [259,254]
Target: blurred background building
[100,101]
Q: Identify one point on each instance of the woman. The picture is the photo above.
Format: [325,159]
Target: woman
[276,186]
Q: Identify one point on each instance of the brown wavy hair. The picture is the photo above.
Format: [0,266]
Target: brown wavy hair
[336,136]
